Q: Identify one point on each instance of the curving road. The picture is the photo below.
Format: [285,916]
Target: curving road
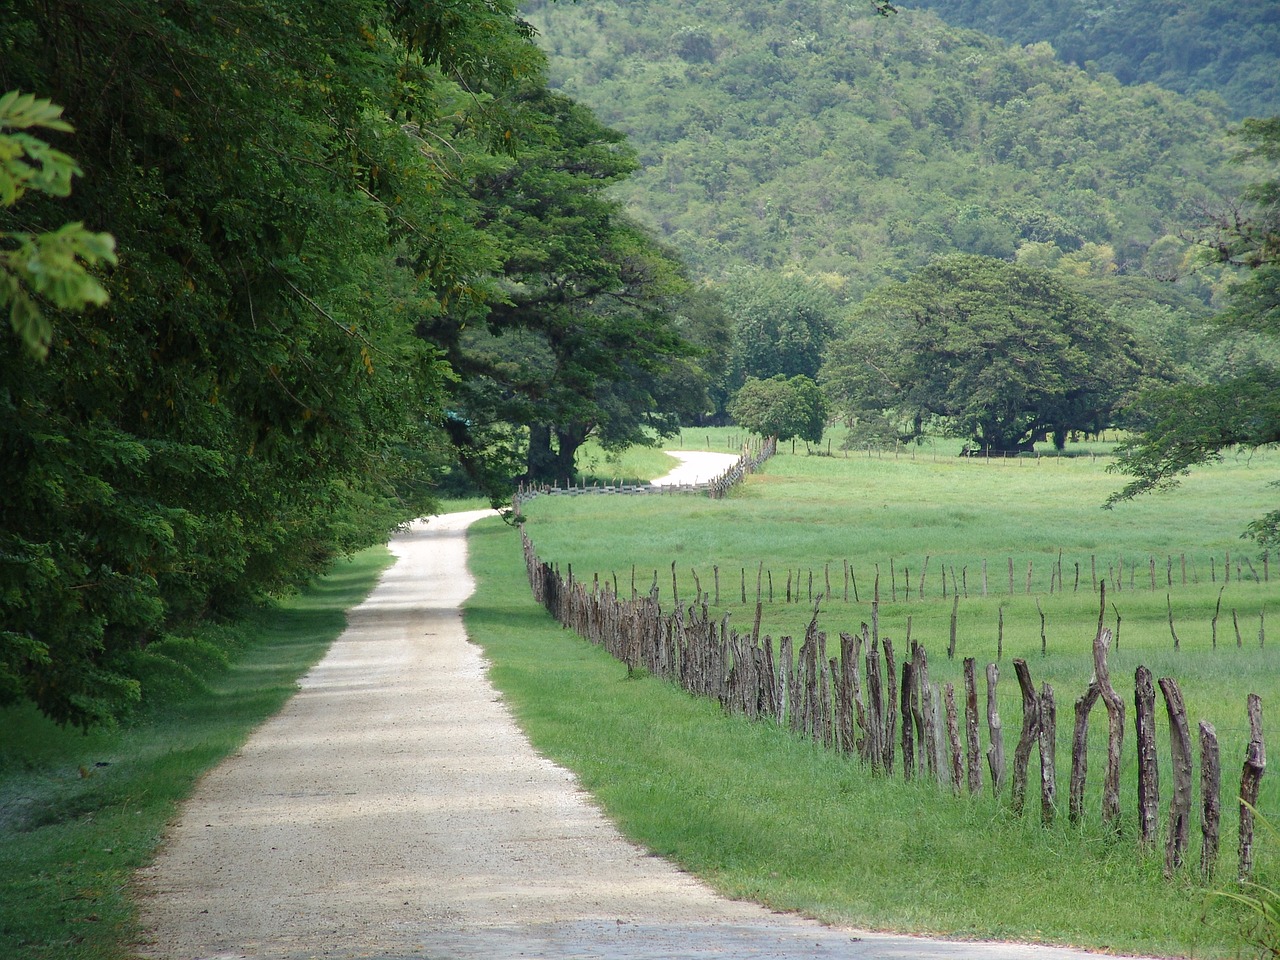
[394,810]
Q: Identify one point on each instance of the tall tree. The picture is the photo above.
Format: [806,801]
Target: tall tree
[994,352]
[1188,425]
[582,339]
[781,407]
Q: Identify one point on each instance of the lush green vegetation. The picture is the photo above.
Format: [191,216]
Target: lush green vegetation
[819,137]
[276,276]
[999,355]
[1192,46]
[763,815]
[80,812]
[1195,422]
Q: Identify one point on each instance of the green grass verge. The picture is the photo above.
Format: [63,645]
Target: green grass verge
[762,815]
[80,813]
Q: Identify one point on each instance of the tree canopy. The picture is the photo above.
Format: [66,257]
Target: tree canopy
[781,407]
[1220,47]
[994,352]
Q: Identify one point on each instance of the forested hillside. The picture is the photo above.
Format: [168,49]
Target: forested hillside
[1222,47]
[819,135]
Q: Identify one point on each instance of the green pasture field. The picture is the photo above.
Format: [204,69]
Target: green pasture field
[80,813]
[892,509]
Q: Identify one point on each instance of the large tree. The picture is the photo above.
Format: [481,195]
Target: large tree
[997,353]
[583,338]
[1188,425]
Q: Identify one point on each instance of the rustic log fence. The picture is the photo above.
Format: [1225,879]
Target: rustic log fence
[854,703]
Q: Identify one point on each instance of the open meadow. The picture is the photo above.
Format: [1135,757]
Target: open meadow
[765,815]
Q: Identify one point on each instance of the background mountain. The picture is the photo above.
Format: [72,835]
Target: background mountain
[1223,47]
[814,135]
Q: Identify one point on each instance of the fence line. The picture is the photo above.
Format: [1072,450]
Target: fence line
[855,704]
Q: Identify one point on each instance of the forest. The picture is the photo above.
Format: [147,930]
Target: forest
[280,277]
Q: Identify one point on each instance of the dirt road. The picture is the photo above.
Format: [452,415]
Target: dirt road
[394,810]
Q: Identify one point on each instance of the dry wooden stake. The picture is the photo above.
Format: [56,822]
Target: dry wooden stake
[1029,735]
[1255,764]
[1148,765]
[953,738]
[973,750]
[1048,755]
[1180,750]
[1210,799]
[995,730]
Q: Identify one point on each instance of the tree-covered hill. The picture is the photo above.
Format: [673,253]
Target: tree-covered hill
[1225,47]
[819,135]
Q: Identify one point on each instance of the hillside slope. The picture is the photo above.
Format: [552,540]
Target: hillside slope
[817,134]
[1221,47]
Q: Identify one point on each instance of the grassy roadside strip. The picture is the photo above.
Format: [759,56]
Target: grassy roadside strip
[764,816]
[80,813]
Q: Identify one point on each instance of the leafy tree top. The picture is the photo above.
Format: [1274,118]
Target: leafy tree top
[998,353]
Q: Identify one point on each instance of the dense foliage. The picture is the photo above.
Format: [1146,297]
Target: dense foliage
[1195,422]
[817,136]
[1223,47]
[999,354]
[299,192]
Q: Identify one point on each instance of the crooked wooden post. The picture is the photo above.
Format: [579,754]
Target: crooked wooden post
[1115,725]
[1210,799]
[995,749]
[973,750]
[1180,802]
[1148,765]
[1028,736]
[1048,755]
[1255,764]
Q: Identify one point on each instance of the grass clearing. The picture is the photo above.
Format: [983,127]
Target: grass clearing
[80,813]
[764,815]
[976,872]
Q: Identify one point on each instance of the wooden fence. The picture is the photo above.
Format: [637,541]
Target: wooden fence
[898,581]
[866,704]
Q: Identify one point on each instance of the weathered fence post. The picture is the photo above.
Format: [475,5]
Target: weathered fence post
[1027,738]
[995,750]
[953,739]
[1115,724]
[1048,755]
[1148,766]
[890,705]
[1210,799]
[973,749]
[1255,764]
[908,724]
[928,716]
[1180,802]
[1080,751]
